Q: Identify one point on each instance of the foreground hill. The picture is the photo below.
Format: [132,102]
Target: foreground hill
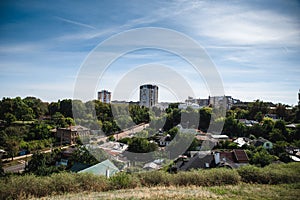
[230,192]
[276,181]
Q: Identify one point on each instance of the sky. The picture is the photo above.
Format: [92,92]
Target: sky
[254,45]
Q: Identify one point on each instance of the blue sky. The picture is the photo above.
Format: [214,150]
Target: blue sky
[254,45]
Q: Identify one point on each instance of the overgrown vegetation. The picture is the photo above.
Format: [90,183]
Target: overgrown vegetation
[21,187]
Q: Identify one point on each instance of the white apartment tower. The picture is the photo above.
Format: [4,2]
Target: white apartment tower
[148,95]
[104,96]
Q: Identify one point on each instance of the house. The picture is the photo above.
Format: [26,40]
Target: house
[272,116]
[151,166]
[247,122]
[294,153]
[203,159]
[209,159]
[105,168]
[115,150]
[262,142]
[234,158]
[165,141]
[70,134]
[155,165]
[292,126]
[240,141]
[219,137]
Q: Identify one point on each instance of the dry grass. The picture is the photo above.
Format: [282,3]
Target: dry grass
[215,183]
[240,191]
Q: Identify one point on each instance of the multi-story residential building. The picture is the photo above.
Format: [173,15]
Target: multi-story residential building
[148,95]
[104,96]
[222,101]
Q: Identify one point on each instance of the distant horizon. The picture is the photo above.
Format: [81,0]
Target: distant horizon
[137,100]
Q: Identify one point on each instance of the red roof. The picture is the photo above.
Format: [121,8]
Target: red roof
[240,155]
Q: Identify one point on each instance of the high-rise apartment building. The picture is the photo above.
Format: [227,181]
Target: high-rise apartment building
[104,96]
[148,95]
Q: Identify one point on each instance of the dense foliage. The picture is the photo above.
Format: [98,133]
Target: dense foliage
[26,124]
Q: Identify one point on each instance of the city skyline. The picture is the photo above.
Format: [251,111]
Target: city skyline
[255,45]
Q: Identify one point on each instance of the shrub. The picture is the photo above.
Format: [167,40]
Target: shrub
[272,174]
[206,177]
[123,180]
[154,178]
[20,187]
[91,182]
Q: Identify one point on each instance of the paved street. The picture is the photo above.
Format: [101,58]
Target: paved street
[126,133]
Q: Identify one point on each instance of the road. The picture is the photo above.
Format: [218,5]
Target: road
[126,133]
[29,155]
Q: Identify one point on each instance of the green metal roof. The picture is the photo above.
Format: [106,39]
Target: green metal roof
[100,168]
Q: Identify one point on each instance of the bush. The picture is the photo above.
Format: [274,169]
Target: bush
[123,180]
[90,182]
[154,178]
[206,177]
[272,174]
[28,185]
[22,187]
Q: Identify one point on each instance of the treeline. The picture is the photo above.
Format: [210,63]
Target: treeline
[257,112]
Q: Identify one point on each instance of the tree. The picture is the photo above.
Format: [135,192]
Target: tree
[173,132]
[267,126]
[9,118]
[53,108]
[42,164]
[262,158]
[12,146]
[280,124]
[39,108]
[276,135]
[259,116]
[69,121]
[86,156]
[65,108]
[141,145]
[205,116]
[241,113]
[257,106]
[59,120]
[139,114]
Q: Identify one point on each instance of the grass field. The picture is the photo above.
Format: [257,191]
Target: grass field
[240,191]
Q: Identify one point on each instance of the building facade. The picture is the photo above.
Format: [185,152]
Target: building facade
[104,96]
[148,95]
[222,101]
[69,135]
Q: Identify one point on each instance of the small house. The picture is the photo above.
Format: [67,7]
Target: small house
[105,168]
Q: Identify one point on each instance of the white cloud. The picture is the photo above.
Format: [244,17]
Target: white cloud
[240,24]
